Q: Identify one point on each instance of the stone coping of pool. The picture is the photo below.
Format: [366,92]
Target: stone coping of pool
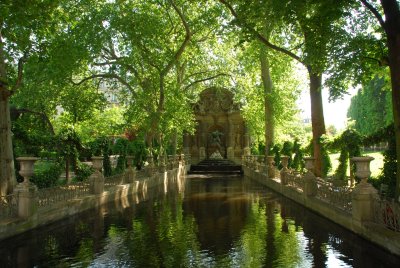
[124,194]
[372,232]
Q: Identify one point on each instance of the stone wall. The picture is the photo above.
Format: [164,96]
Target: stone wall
[356,221]
[220,128]
[141,185]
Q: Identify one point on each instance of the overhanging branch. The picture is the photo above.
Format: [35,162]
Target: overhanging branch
[260,36]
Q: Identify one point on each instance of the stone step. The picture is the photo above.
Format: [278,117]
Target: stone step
[215,166]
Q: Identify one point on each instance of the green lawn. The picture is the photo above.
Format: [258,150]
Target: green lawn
[376,164]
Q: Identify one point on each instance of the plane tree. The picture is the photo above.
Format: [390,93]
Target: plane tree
[310,27]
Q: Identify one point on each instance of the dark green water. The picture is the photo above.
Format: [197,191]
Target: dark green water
[215,222]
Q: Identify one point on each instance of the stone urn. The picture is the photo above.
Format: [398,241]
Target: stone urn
[364,194]
[97,178]
[362,167]
[26,170]
[129,159]
[270,166]
[284,170]
[309,163]
[26,191]
[284,161]
[97,163]
[130,171]
[310,182]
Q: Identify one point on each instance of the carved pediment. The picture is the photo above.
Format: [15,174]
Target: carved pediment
[215,100]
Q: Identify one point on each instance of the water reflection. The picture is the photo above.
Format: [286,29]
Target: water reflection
[217,222]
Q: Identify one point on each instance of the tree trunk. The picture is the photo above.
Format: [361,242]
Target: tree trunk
[7,174]
[268,105]
[392,29]
[317,118]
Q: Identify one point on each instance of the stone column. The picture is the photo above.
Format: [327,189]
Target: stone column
[130,171]
[364,193]
[97,178]
[186,142]
[310,181]
[284,170]
[202,141]
[26,191]
[246,147]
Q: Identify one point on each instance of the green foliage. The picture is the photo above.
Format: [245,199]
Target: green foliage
[371,108]
[137,149]
[389,172]
[349,143]
[46,174]
[326,160]
[276,151]
[101,147]
[69,145]
[83,172]
[287,149]
[298,161]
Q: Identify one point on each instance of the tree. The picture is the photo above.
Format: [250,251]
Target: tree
[312,27]
[23,30]
[390,23]
[371,108]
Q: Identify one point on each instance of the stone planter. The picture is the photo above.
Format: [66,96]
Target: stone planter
[26,191]
[97,162]
[310,181]
[270,166]
[97,178]
[364,194]
[309,163]
[26,170]
[130,171]
[284,170]
[362,167]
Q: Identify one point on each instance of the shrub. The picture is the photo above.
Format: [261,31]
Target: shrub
[46,174]
[83,172]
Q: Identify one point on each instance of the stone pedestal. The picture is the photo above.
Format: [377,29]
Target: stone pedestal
[270,167]
[27,199]
[130,171]
[97,178]
[364,194]
[310,181]
[284,170]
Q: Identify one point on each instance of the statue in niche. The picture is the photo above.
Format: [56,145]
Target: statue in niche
[216,138]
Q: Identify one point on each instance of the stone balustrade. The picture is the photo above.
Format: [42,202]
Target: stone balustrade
[27,202]
[356,207]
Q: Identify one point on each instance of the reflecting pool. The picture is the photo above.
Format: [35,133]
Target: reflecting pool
[215,222]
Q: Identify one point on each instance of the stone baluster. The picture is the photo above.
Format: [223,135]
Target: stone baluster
[364,193]
[310,181]
[97,177]
[26,191]
[284,171]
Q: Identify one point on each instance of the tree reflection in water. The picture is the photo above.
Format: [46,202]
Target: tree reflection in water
[217,222]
